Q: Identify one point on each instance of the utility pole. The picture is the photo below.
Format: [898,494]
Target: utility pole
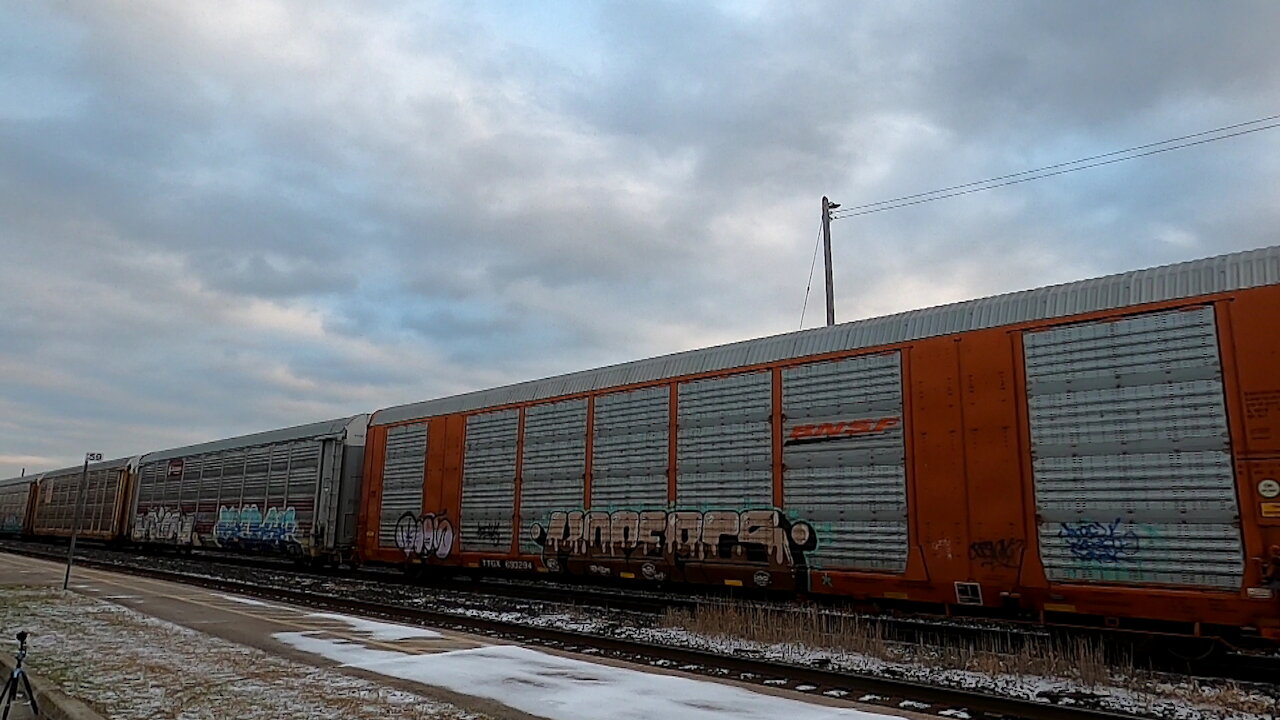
[75,523]
[827,207]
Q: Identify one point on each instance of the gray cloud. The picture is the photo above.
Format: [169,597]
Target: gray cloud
[219,222]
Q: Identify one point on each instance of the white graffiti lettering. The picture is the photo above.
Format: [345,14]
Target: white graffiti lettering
[165,525]
[428,535]
[762,536]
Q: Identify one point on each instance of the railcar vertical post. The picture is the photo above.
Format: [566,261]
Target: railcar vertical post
[75,521]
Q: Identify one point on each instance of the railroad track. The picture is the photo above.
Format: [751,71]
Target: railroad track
[868,688]
[542,596]
[907,629]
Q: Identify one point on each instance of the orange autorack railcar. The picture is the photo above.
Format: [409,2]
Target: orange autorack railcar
[1100,452]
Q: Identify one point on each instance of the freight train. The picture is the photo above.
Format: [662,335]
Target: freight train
[1101,453]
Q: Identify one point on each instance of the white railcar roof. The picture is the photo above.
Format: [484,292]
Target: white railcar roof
[1223,273]
[76,469]
[311,431]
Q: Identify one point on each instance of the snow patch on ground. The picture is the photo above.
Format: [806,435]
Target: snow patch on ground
[243,600]
[566,689]
[386,632]
[131,666]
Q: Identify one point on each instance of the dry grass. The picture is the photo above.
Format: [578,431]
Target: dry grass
[1083,660]
[1086,661]
[1228,695]
[807,627]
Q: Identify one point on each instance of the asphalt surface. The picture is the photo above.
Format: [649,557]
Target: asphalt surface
[251,622]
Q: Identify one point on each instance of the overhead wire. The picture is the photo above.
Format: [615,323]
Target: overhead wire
[1043,172]
[812,264]
[1108,158]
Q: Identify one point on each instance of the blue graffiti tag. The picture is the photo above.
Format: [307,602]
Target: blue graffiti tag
[247,524]
[1099,542]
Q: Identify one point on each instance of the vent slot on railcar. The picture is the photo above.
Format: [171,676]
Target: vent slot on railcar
[403,474]
[552,473]
[845,460]
[1131,454]
[489,481]
[724,442]
[630,449]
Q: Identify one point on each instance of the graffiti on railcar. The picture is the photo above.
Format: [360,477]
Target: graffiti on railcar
[1090,541]
[489,533]
[11,521]
[165,525]
[248,524]
[657,541]
[425,536]
[1005,552]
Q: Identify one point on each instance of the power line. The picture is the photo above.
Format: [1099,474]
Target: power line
[812,264]
[1041,173]
[1064,164]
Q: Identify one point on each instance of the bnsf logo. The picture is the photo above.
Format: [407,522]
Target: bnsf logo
[845,429]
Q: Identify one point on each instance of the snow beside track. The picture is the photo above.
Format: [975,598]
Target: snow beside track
[566,689]
[387,632]
[1173,697]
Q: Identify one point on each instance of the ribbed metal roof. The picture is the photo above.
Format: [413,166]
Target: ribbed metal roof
[77,469]
[1223,273]
[317,430]
[24,479]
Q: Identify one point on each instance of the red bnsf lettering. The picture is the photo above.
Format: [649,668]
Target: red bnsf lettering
[859,427]
[847,428]
[800,432]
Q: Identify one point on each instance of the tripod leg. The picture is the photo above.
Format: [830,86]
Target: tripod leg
[31,696]
[10,689]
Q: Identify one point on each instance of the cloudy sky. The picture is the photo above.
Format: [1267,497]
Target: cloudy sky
[218,218]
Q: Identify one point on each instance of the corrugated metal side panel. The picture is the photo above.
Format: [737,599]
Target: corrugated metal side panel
[629,451]
[159,517]
[489,480]
[258,498]
[302,483]
[1131,453]
[844,460]
[554,465]
[724,445]
[257,468]
[13,507]
[403,474]
[55,511]
[289,472]
[228,487]
[1224,273]
[189,487]
[146,496]
[207,486]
